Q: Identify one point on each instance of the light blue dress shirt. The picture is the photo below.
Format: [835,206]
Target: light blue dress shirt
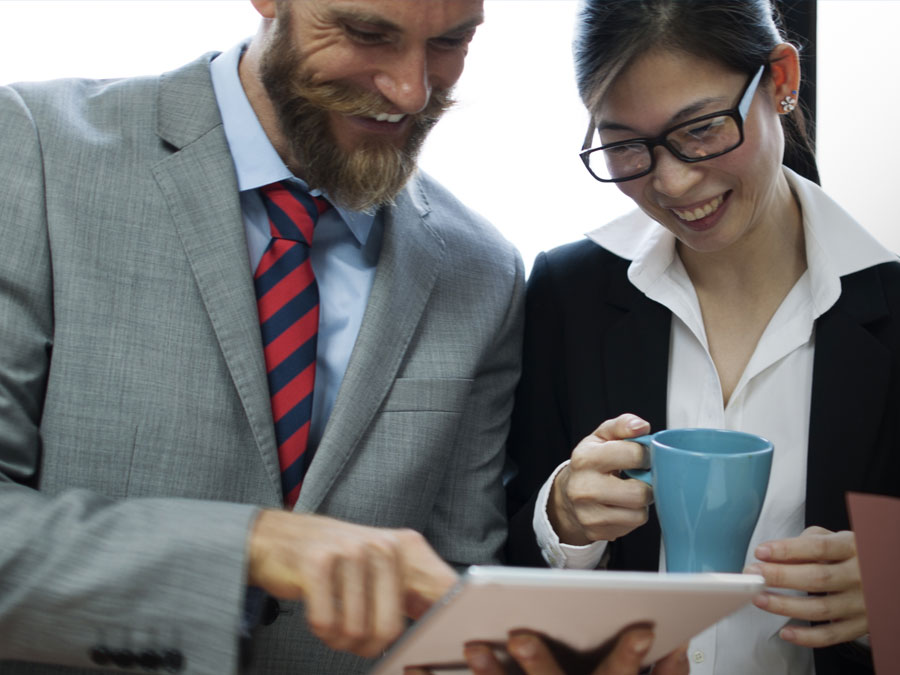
[345,246]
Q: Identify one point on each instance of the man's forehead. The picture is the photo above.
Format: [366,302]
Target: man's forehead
[431,16]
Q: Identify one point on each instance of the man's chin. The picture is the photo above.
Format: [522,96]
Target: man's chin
[362,180]
[364,174]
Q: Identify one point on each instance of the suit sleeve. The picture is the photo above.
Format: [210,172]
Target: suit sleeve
[85,579]
[538,439]
[468,523]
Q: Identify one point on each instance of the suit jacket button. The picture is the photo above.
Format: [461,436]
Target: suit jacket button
[173,661]
[124,658]
[150,660]
[101,655]
[271,610]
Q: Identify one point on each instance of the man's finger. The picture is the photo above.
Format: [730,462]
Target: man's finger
[321,602]
[386,607]
[355,597]
[425,577]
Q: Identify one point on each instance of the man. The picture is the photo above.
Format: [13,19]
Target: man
[144,471]
[137,443]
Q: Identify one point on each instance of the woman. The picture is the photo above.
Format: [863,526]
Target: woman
[738,296]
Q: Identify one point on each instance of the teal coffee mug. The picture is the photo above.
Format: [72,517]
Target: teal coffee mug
[708,486]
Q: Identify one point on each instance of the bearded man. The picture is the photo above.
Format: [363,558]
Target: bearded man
[182,488]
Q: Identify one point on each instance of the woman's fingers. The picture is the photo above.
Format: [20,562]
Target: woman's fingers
[823,564]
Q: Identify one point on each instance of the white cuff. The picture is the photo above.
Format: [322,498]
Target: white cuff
[556,553]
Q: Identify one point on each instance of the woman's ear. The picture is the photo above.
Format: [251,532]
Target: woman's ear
[784,62]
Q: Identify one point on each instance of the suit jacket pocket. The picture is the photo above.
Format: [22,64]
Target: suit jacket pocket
[428,394]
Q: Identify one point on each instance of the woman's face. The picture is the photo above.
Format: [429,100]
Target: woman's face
[707,205]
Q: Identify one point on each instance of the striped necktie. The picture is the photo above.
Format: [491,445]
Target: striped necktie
[288,304]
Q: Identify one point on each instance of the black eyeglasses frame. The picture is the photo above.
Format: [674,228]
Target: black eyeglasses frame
[738,113]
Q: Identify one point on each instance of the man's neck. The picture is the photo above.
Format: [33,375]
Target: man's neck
[248,72]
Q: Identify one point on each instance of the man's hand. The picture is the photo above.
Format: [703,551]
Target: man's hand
[534,657]
[357,582]
[824,564]
[589,501]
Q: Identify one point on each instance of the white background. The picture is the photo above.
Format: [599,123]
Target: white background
[509,150]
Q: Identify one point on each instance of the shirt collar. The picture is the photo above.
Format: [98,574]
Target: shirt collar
[255,160]
[836,245]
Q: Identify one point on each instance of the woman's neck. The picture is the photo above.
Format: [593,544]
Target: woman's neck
[740,288]
[771,256]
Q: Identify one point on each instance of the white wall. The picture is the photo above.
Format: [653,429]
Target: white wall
[858,112]
[510,148]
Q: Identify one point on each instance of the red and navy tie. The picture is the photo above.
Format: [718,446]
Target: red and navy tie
[288,304]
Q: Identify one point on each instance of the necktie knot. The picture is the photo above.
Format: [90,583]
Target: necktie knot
[293,212]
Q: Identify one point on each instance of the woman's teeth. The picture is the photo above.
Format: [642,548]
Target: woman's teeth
[700,211]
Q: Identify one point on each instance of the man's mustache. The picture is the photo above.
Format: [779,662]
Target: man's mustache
[346,99]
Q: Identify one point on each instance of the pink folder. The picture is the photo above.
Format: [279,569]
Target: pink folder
[876,521]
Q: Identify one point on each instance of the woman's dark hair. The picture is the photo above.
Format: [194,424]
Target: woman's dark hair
[740,34]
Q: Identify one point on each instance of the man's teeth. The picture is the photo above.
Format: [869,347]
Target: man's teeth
[387,117]
[700,211]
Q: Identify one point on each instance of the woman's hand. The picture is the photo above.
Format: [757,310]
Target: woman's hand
[824,564]
[534,657]
[589,501]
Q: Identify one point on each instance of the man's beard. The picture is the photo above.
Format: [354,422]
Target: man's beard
[362,178]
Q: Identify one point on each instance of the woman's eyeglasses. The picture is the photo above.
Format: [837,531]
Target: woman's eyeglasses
[696,140]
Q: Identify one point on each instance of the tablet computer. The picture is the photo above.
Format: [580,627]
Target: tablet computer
[580,608]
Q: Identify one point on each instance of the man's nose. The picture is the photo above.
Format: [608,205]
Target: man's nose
[404,80]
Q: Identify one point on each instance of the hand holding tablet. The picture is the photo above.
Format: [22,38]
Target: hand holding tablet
[579,611]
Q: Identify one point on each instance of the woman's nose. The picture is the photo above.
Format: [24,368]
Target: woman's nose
[671,176]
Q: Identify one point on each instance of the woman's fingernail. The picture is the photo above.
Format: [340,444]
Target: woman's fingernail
[761,601]
[764,552]
[787,634]
[636,423]
[753,569]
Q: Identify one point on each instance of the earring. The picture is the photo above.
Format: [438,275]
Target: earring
[788,103]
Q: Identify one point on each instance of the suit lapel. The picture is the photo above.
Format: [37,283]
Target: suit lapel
[851,376]
[619,363]
[636,365]
[198,183]
[636,355]
[408,267]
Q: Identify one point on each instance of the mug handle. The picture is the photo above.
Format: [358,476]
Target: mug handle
[643,475]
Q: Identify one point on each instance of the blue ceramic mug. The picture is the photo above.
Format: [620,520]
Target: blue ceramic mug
[708,486]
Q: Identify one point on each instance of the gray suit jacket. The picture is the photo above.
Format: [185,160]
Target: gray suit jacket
[136,441]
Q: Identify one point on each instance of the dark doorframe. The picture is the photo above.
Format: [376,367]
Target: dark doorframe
[800,23]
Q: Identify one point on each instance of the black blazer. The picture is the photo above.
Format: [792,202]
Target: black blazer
[596,347]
